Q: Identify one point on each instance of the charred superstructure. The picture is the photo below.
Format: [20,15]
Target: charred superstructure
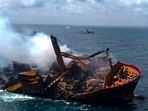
[85,78]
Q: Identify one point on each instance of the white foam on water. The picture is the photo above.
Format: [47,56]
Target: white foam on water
[10,97]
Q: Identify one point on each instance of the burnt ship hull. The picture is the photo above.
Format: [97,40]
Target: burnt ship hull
[89,78]
[124,92]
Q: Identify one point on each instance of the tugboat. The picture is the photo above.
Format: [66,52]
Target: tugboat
[90,78]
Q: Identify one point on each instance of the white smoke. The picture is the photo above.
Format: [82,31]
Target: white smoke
[35,49]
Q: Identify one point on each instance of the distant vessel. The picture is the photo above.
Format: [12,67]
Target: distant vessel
[90,78]
[87,31]
[67,27]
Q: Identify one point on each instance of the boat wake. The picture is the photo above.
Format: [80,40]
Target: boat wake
[10,97]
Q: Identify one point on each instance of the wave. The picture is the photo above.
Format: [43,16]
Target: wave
[10,97]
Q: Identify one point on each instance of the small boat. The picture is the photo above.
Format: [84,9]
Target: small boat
[67,27]
[87,31]
[89,78]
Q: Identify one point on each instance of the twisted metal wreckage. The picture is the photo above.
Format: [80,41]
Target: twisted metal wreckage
[86,78]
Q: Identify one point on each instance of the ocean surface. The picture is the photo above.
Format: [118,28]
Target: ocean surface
[127,44]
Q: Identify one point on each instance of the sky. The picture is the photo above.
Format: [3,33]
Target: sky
[77,12]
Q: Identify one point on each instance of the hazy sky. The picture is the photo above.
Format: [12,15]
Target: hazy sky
[77,12]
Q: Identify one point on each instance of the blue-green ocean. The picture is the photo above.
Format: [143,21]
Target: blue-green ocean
[127,44]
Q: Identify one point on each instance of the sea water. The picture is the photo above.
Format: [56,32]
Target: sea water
[127,44]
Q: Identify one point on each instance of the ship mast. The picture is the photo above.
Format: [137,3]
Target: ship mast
[110,61]
[58,54]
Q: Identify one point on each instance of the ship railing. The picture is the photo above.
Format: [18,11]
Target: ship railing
[67,55]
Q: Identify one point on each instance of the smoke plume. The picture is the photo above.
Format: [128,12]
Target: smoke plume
[35,49]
